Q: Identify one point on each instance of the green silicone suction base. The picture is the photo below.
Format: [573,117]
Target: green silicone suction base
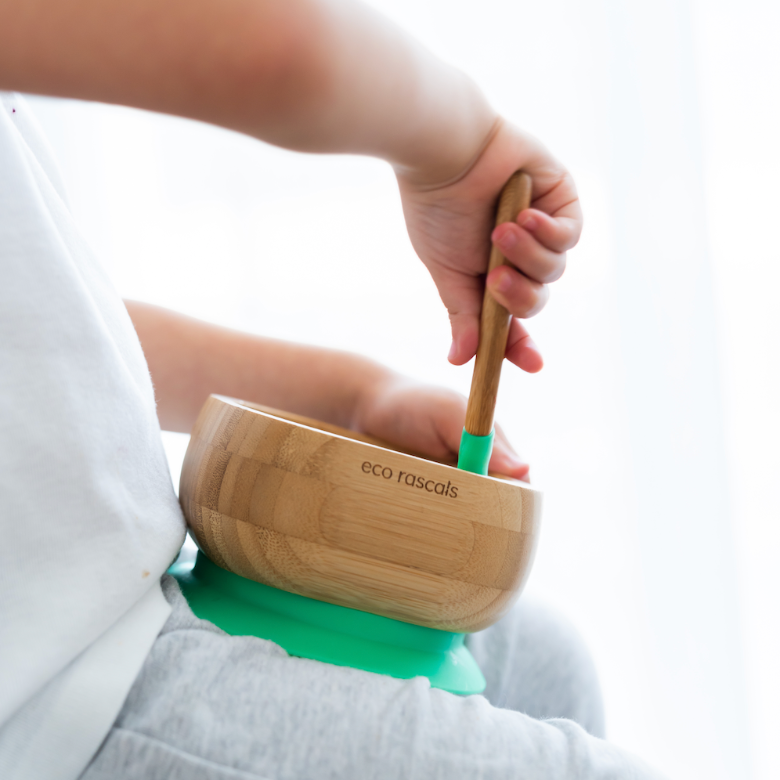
[326,632]
[475,452]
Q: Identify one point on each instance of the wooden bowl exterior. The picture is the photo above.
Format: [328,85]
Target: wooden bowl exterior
[325,515]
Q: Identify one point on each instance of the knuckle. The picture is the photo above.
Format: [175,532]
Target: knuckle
[524,299]
[545,268]
[543,295]
[555,270]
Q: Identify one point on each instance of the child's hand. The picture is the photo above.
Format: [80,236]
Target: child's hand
[449,227]
[427,420]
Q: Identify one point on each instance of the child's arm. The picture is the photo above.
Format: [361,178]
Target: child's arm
[312,75]
[322,76]
[189,359]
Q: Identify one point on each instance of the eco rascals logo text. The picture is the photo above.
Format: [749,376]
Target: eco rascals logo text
[412,480]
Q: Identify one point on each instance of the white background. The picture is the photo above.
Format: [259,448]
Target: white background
[652,429]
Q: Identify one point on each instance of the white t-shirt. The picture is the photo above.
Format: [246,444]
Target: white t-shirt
[88,517]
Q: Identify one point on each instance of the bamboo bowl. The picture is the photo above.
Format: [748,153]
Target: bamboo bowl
[329,514]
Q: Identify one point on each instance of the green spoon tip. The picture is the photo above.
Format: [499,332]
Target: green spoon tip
[475,452]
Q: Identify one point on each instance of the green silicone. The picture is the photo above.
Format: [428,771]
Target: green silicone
[475,452]
[326,632]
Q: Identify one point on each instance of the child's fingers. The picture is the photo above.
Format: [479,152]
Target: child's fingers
[462,295]
[447,416]
[527,254]
[558,232]
[555,195]
[465,337]
[522,350]
[522,298]
[520,347]
[505,460]
[519,295]
[562,203]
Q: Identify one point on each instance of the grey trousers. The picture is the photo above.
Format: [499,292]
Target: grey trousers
[208,706]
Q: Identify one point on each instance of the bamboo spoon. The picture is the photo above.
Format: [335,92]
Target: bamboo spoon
[476,443]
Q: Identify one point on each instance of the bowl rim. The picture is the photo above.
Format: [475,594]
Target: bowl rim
[331,429]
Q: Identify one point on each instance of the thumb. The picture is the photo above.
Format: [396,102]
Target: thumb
[462,296]
[464,305]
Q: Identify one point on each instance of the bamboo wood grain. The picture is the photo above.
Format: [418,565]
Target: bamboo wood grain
[494,320]
[318,511]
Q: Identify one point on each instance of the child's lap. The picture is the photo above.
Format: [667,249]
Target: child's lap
[208,705]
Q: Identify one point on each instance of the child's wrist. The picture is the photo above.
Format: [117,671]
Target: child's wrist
[462,171]
[449,138]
